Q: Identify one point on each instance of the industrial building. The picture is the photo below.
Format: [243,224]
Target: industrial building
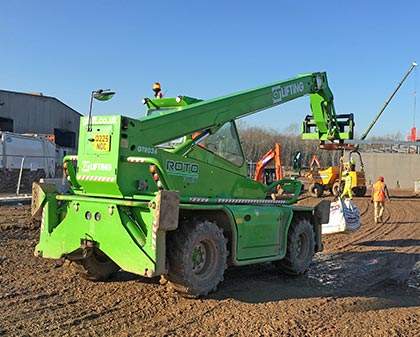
[28,113]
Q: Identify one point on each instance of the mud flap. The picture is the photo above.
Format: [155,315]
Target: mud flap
[321,216]
[167,210]
[166,219]
[322,211]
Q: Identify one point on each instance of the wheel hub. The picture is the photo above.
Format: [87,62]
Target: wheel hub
[301,246]
[199,256]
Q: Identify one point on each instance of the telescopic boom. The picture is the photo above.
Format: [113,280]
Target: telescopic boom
[184,115]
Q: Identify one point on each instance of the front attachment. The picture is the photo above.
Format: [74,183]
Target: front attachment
[342,129]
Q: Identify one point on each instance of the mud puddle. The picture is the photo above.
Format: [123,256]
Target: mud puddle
[366,271]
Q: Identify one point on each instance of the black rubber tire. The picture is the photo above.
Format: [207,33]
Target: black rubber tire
[336,189]
[300,248]
[359,191]
[181,245]
[95,267]
[316,190]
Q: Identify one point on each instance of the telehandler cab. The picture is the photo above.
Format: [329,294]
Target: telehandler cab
[168,194]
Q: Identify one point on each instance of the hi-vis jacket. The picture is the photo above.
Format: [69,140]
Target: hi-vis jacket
[379,191]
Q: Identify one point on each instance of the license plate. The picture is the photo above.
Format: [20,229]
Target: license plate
[102,142]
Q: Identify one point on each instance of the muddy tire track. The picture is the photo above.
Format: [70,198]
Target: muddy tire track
[39,298]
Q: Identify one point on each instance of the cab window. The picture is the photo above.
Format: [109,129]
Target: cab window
[225,143]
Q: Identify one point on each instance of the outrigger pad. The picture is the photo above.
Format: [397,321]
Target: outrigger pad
[41,189]
[167,210]
[39,195]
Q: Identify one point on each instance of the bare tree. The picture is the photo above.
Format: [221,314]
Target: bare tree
[258,140]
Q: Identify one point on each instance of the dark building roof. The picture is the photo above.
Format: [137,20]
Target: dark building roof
[36,94]
[35,113]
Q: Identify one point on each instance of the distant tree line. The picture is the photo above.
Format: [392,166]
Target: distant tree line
[256,141]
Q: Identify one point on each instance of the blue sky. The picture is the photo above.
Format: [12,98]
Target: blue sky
[211,48]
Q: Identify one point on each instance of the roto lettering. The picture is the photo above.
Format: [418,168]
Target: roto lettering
[181,168]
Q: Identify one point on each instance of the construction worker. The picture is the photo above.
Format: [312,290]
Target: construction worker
[352,164]
[157,90]
[297,162]
[347,185]
[379,195]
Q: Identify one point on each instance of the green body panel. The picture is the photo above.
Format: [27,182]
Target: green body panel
[97,171]
[128,243]
[123,164]
[262,231]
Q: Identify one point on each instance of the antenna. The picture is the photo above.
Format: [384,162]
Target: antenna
[412,66]
[415,98]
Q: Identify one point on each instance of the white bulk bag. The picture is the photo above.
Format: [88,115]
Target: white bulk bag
[344,217]
[352,215]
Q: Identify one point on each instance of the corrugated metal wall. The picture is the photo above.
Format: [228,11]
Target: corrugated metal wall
[37,114]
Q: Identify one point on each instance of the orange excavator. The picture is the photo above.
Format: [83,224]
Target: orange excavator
[284,187]
[315,161]
[273,154]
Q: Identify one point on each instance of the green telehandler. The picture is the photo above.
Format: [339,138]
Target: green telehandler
[168,194]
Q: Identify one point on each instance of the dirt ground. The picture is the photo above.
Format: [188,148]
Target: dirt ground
[364,284]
